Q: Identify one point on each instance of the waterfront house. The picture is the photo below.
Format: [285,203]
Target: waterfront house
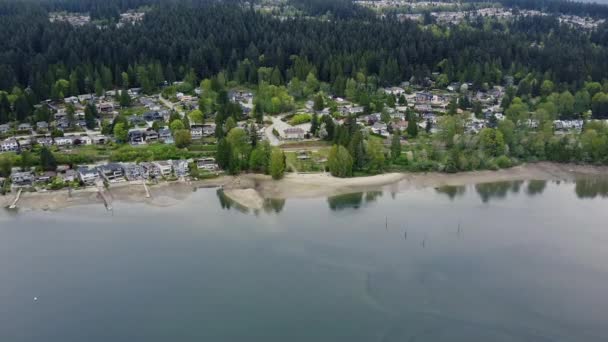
[133,171]
[69,176]
[206,164]
[46,177]
[180,167]
[165,168]
[150,170]
[22,178]
[82,140]
[112,172]
[9,145]
[87,176]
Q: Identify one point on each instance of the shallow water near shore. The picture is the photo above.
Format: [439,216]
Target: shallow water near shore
[506,261]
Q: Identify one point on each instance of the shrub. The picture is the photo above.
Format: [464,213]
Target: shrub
[503,162]
[300,119]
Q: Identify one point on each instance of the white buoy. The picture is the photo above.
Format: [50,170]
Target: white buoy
[35,299]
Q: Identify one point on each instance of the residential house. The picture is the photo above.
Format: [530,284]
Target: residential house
[136,136]
[22,178]
[42,126]
[164,134]
[69,176]
[46,177]
[293,133]
[150,136]
[82,140]
[105,107]
[208,164]
[99,139]
[380,128]
[153,116]
[4,128]
[71,99]
[196,133]
[150,170]
[85,97]
[9,145]
[64,141]
[208,130]
[136,120]
[423,97]
[111,172]
[45,141]
[24,127]
[180,167]
[88,176]
[165,168]
[133,171]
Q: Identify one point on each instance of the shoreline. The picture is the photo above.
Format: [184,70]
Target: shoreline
[250,190]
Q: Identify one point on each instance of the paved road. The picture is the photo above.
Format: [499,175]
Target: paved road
[276,123]
[170,105]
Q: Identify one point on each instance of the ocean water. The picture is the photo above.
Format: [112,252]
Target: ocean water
[516,261]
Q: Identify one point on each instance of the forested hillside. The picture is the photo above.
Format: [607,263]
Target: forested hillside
[206,38]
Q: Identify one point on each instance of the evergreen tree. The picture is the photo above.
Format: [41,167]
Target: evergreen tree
[314,124]
[90,116]
[125,98]
[412,125]
[223,154]
[47,160]
[319,103]
[396,145]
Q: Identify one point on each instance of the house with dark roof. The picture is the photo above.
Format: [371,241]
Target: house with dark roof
[112,172]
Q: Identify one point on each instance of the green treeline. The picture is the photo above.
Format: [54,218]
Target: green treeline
[40,60]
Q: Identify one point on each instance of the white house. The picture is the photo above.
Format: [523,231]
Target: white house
[165,168]
[64,141]
[9,145]
[293,133]
[87,176]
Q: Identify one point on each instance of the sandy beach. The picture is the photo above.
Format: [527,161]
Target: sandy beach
[250,190]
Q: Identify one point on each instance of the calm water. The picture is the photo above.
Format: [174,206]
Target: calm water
[524,261]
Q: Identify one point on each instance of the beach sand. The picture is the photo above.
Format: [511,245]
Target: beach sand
[250,190]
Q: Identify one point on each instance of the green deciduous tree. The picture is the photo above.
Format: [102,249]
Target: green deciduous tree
[182,138]
[120,132]
[339,162]
[277,163]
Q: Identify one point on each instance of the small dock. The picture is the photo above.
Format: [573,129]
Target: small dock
[14,204]
[107,202]
[148,195]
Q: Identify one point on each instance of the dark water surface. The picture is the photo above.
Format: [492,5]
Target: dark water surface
[521,261]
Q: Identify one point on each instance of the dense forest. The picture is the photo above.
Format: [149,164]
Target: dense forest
[206,37]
